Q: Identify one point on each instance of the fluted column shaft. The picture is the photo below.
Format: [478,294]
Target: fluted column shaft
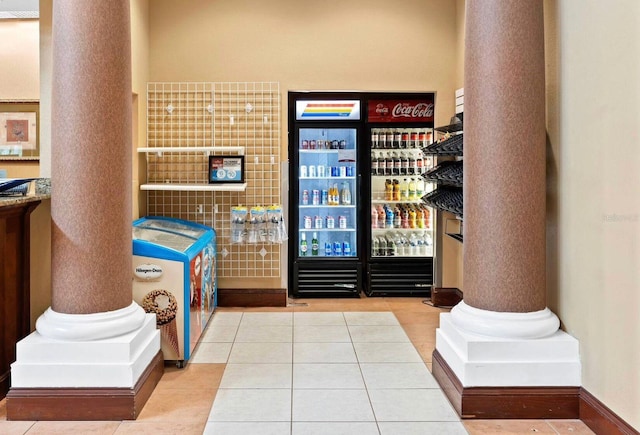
[91,156]
[504,156]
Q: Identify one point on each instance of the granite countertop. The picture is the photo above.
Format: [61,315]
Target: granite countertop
[42,191]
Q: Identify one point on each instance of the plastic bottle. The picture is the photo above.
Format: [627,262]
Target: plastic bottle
[382,217]
[419,187]
[388,190]
[382,164]
[412,190]
[303,245]
[388,164]
[327,249]
[412,218]
[374,217]
[314,244]
[397,218]
[374,163]
[404,190]
[396,163]
[412,164]
[383,246]
[419,218]
[346,194]
[413,244]
[396,190]
[404,163]
[426,215]
[375,247]
[389,219]
[346,247]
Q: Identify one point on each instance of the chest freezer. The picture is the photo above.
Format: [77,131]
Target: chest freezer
[174,276]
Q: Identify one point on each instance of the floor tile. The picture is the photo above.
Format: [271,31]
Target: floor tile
[179,405]
[211,353]
[333,428]
[257,376]
[15,427]
[370,318]
[264,319]
[248,428]
[264,334]
[252,405]
[261,353]
[397,375]
[219,334]
[378,334]
[331,405]
[386,352]
[512,427]
[421,428]
[321,334]
[160,428]
[191,376]
[222,318]
[324,353]
[425,350]
[411,405]
[314,318]
[68,427]
[573,427]
[327,376]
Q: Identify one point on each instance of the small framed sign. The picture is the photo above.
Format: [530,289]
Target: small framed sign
[226,169]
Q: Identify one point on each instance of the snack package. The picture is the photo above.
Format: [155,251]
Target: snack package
[277,232]
[238,218]
[257,225]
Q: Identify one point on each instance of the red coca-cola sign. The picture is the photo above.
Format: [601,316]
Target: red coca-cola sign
[400,110]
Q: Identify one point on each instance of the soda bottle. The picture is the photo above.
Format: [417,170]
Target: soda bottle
[397,139]
[374,163]
[303,245]
[337,249]
[419,164]
[404,163]
[412,164]
[396,190]
[405,140]
[388,190]
[388,170]
[412,190]
[374,217]
[381,217]
[382,140]
[404,190]
[396,163]
[374,139]
[382,165]
[389,138]
[314,244]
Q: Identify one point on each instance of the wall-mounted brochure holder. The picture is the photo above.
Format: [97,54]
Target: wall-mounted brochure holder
[226,169]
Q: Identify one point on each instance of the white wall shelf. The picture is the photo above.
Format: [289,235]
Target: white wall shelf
[223,187]
[226,149]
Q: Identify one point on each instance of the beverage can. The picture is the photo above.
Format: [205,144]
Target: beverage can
[303,171]
[337,249]
[312,171]
[349,171]
[320,171]
[307,222]
[343,144]
[305,197]
[305,144]
[312,144]
[346,249]
[331,222]
[317,222]
[328,249]
[342,222]
[324,197]
[315,197]
[343,171]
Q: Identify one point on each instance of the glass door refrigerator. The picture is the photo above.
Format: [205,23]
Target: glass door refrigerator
[325,240]
[400,227]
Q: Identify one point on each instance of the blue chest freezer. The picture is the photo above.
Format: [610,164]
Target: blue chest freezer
[174,276]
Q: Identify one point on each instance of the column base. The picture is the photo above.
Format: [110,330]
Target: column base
[490,377]
[106,379]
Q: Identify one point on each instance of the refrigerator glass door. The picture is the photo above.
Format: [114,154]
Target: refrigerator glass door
[327,186]
[401,225]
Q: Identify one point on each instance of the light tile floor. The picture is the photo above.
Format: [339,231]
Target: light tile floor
[317,367]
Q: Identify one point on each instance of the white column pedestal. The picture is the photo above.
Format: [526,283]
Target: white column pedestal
[489,361]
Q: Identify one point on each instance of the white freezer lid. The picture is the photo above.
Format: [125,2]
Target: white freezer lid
[177,242]
[173,226]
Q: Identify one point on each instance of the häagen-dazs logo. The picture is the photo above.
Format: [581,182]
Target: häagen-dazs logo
[148,271]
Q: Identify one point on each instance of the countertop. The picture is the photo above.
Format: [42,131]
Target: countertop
[42,191]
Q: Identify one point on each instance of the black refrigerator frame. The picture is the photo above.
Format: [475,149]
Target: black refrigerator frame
[318,276]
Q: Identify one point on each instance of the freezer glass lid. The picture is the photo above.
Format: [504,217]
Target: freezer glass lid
[173,226]
[177,242]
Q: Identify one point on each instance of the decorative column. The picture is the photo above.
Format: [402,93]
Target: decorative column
[499,353]
[94,349]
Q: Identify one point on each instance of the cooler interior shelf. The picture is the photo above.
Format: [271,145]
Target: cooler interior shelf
[449,173]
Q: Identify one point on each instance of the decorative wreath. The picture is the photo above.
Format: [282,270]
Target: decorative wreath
[163,316]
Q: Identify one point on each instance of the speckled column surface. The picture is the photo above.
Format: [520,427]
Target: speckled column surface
[504,156]
[91,156]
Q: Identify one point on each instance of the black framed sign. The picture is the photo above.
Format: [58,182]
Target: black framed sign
[226,169]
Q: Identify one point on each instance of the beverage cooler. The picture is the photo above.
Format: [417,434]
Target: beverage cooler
[174,276]
[324,245]
[356,216]
[400,227]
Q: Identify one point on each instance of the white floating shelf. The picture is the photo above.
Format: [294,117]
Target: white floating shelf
[227,149]
[223,187]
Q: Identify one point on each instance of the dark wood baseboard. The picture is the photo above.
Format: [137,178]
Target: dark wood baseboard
[85,403]
[505,402]
[4,384]
[252,297]
[445,296]
[600,418]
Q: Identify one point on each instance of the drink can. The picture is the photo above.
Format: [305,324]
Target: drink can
[346,249]
[320,144]
[334,171]
[317,222]
[337,249]
[315,197]
[328,249]
[342,222]
[321,171]
[305,197]
[343,144]
[324,197]
[335,144]
[349,171]
[343,171]
[307,222]
[312,171]
[305,144]
[331,222]
[312,144]
[303,171]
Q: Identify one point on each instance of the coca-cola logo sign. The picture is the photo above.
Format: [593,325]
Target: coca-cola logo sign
[420,110]
[396,110]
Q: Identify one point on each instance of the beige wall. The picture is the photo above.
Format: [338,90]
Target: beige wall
[19,67]
[593,100]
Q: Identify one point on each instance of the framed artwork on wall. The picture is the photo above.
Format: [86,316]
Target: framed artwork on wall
[19,130]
